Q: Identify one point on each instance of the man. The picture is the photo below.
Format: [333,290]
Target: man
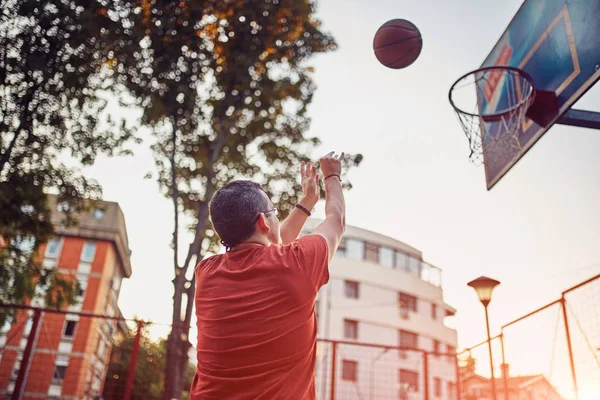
[255,303]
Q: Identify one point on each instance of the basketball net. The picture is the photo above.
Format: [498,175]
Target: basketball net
[499,98]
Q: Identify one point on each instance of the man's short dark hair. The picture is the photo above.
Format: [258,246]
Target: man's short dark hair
[233,210]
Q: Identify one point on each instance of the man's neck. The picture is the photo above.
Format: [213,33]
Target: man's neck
[251,243]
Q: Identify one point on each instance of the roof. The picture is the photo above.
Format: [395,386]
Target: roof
[514,382]
[520,381]
[111,227]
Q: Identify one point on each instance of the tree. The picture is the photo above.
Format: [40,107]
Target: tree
[225,88]
[467,365]
[149,369]
[54,64]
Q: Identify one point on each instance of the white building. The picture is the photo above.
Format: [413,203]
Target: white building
[381,292]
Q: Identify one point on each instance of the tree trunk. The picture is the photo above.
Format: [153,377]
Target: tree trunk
[178,343]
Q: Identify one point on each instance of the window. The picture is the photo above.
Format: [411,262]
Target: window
[451,350]
[69,330]
[88,252]
[436,347]
[409,380]
[59,373]
[386,257]
[401,261]
[414,266]
[349,370]
[341,250]
[350,329]
[83,282]
[433,311]
[371,252]
[101,348]
[351,289]
[437,387]
[408,339]
[407,301]
[115,282]
[452,395]
[52,248]
[355,249]
[98,213]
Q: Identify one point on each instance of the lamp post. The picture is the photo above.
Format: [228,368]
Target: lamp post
[484,287]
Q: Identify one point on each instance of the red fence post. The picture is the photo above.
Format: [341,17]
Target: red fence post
[457,368]
[133,361]
[333,364]
[504,367]
[426,375]
[563,303]
[19,389]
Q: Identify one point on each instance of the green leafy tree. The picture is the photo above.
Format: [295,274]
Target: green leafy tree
[55,59]
[149,378]
[225,86]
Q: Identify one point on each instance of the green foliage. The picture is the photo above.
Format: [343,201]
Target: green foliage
[225,87]
[149,377]
[24,225]
[54,69]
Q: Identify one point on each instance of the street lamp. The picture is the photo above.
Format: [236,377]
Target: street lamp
[484,287]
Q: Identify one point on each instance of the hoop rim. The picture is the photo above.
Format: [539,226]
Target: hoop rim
[521,72]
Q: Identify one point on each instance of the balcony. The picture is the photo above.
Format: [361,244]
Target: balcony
[360,250]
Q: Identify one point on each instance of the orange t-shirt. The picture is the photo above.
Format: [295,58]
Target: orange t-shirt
[257,328]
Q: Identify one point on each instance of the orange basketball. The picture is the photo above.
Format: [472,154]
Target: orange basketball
[397,43]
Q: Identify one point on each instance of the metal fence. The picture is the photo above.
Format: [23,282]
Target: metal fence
[363,371]
[73,355]
[550,353]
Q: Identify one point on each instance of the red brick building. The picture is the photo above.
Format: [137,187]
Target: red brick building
[72,351]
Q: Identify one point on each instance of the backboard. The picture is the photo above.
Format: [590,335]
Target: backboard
[557,42]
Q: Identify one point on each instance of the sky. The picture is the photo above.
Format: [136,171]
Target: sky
[536,231]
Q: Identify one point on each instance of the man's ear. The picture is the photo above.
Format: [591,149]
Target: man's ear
[261,225]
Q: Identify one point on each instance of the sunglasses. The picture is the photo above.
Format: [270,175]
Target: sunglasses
[275,210]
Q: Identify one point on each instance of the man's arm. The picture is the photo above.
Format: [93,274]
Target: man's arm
[334,225]
[292,225]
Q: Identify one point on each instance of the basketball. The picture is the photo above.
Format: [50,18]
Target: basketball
[397,43]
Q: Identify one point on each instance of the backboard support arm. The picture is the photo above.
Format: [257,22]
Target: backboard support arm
[581,118]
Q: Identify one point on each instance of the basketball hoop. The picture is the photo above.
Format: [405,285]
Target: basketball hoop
[491,104]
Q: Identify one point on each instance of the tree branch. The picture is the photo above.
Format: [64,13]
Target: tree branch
[196,245]
[175,197]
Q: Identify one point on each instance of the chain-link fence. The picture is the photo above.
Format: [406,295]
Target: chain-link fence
[72,355]
[54,355]
[551,353]
[362,371]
